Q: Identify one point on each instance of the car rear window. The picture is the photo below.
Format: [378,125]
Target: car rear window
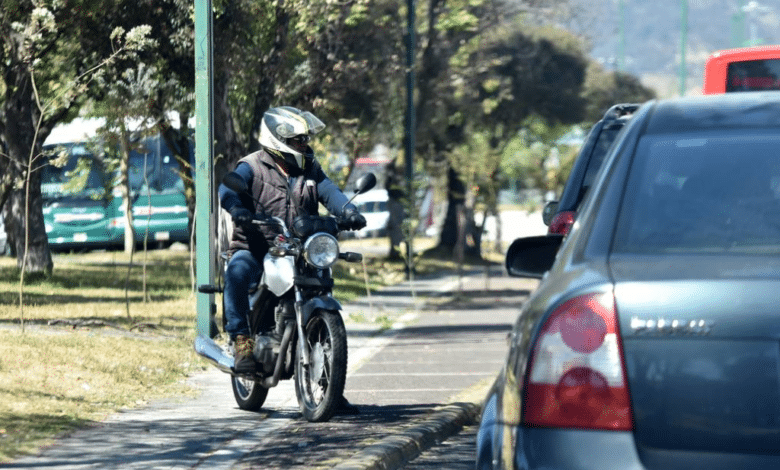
[603,144]
[703,193]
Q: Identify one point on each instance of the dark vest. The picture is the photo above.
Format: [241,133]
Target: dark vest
[276,195]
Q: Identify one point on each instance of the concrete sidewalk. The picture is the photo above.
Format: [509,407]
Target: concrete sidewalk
[209,431]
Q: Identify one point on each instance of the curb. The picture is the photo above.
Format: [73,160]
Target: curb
[393,452]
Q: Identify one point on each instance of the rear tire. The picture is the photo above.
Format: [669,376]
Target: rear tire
[320,386]
[249,394]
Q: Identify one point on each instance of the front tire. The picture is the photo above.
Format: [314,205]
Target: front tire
[320,386]
[249,394]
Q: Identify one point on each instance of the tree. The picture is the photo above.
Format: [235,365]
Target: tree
[166,96]
[534,159]
[487,74]
[45,65]
[124,106]
[308,54]
[604,89]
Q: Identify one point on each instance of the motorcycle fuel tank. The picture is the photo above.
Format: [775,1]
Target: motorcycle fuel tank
[278,273]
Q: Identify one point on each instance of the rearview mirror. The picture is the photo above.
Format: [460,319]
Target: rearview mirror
[365,183]
[235,182]
[532,256]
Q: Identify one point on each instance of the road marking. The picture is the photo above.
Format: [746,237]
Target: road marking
[365,350]
[413,362]
[419,374]
[406,390]
[451,350]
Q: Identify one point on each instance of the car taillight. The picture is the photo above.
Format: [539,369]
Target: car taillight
[577,376]
[561,223]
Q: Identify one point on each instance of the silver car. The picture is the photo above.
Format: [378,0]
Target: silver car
[653,339]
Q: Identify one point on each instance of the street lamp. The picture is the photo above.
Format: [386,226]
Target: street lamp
[410,124]
[753,10]
[683,45]
[621,62]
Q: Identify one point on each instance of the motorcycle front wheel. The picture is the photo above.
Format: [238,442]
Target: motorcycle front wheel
[320,385]
[249,394]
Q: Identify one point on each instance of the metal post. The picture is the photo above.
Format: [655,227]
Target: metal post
[621,65]
[204,138]
[683,46]
[738,26]
[410,125]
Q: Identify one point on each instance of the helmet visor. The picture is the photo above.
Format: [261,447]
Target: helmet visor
[315,125]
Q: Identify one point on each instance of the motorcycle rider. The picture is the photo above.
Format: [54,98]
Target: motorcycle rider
[285,181]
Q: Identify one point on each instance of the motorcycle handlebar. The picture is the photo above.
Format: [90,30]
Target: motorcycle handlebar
[265,220]
[341,223]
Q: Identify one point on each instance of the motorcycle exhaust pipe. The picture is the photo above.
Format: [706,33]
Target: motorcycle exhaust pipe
[273,381]
[209,350]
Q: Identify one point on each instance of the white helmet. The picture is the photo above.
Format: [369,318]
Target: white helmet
[285,132]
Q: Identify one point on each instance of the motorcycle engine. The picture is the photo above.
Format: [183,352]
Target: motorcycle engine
[266,350]
[285,312]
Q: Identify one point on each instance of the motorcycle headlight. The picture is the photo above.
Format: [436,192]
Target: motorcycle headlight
[321,250]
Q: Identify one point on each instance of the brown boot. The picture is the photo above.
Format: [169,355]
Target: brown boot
[244,360]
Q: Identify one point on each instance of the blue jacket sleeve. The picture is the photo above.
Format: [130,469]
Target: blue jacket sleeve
[229,198]
[330,195]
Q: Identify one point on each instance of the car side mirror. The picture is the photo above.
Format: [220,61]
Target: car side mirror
[549,211]
[532,256]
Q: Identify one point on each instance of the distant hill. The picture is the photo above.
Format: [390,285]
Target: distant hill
[653,35]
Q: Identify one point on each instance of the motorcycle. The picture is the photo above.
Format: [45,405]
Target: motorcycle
[294,319]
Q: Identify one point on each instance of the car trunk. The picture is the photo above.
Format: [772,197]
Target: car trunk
[701,339]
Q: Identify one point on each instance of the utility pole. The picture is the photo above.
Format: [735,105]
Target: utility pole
[683,46]
[410,127]
[754,10]
[621,65]
[738,26]
[204,184]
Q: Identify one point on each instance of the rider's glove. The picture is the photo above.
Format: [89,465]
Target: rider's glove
[354,220]
[241,216]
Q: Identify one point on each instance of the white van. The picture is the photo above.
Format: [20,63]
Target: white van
[373,206]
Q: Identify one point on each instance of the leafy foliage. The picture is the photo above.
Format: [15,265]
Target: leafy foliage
[534,159]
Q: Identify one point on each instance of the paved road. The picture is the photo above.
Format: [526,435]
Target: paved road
[455,453]
[415,385]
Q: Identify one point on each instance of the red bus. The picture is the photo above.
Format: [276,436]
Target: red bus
[744,69]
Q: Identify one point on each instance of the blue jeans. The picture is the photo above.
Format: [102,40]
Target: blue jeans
[243,270]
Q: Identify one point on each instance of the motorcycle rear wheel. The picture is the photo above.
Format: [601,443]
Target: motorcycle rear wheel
[249,394]
[320,386]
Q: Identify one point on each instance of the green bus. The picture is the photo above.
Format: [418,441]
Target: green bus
[83,206]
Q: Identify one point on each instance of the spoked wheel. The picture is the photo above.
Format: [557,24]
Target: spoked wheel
[319,386]
[249,394]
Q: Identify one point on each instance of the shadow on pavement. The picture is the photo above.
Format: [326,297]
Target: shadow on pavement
[301,444]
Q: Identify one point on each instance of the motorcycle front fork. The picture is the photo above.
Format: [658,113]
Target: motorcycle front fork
[299,320]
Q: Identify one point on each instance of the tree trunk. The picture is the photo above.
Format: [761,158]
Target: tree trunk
[25,214]
[29,219]
[227,147]
[127,194]
[456,205]
[396,190]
